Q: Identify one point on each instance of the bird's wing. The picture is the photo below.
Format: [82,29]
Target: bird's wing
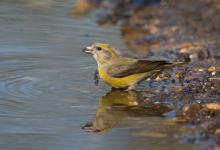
[119,70]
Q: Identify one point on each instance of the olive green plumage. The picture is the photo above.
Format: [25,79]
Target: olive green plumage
[122,72]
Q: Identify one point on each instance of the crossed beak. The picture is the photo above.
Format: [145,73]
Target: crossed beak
[88,50]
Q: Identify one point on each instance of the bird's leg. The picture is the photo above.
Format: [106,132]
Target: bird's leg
[96,77]
[131,87]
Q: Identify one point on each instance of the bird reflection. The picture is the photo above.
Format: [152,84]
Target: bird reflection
[117,105]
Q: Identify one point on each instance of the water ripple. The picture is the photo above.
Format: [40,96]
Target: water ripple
[23,85]
[24,76]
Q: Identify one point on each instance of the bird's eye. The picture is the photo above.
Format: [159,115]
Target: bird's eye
[99,48]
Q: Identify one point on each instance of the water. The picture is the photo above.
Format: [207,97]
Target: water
[47,92]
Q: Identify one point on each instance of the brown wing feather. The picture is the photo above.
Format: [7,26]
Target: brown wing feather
[139,66]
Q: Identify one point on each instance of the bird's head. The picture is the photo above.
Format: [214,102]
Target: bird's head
[102,52]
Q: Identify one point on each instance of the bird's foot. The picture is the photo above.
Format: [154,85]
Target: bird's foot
[132,87]
[96,77]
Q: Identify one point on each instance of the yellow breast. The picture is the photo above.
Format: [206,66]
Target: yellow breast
[120,82]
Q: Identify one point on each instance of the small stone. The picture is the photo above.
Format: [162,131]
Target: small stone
[212,69]
[163,76]
[201,70]
[179,74]
[213,73]
[158,78]
[213,106]
[217,131]
[177,89]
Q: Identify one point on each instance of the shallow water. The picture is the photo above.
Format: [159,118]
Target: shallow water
[47,92]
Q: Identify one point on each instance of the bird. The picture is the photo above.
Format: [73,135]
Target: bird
[122,72]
